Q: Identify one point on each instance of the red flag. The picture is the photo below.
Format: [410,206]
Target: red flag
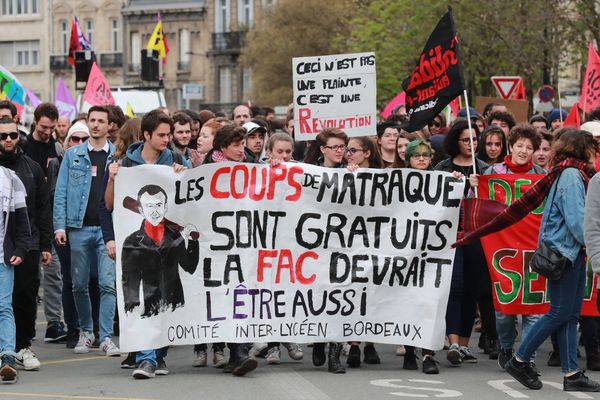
[97,92]
[590,90]
[77,42]
[520,92]
[455,106]
[573,118]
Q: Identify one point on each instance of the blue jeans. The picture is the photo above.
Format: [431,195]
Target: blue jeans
[566,297]
[151,355]
[8,329]
[86,244]
[505,325]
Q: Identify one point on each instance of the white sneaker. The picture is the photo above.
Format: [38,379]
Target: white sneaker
[27,359]
[257,350]
[85,342]
[109,349]
[294,351]
[200,358]
[273,356]
[219,359]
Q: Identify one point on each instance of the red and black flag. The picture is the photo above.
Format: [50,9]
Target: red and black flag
[438,78]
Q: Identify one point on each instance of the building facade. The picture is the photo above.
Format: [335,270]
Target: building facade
[102,24]
[25,42]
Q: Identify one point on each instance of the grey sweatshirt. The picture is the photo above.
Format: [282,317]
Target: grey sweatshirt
[591,225]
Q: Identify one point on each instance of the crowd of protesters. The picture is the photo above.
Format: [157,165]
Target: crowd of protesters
[57,185]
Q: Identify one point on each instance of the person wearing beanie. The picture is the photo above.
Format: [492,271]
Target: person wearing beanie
[538,122]
[81,132]
[556,118]
[472,111]
[593,127]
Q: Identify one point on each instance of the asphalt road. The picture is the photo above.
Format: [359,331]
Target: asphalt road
[65,375]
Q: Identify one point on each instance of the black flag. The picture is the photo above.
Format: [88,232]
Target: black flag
[438,77]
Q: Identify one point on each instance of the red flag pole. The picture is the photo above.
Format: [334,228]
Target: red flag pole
[470,139]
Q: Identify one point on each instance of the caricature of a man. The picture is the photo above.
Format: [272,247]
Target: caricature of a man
[153,254]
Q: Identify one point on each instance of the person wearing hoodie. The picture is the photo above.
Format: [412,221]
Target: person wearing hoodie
[156,127]
[26,277]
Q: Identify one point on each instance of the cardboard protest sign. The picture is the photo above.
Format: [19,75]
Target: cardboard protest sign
[235,252]
[516,289]
[519,108]
[336,91]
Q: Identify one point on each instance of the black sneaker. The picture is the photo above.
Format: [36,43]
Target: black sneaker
[72,339]
[55,333]
[145,371]
[493,350]
[318,354]
[503,356]
[521,371]
[161,367]
[370,355]
[534,369]
[466,356]
[580,383]
[430,365]
[554,360]
[129,361]
[410,361]
[353,359]
[8,370]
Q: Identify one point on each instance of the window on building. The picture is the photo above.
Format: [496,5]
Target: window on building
[19,7]
[246,83]
[115,34]
[222,16]
[20,54]
[184,46]
[225,85]
[89,30]
[64,37]
[136,48]
[245,13]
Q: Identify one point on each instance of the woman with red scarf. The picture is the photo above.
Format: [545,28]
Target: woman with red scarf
[523,141]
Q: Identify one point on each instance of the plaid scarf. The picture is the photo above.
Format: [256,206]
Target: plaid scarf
[218,156]
[475,212]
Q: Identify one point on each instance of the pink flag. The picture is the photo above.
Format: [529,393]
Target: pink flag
[35,101]
[590,90]
[97,92]
[67,107]
[396,101]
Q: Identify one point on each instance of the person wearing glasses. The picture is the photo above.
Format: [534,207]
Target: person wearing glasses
[438,125]
[27,276]
[332,144]
[362,153]
[387,134]
[468,260]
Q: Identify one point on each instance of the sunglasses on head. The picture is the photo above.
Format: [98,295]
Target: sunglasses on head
[12,135]
[79,139]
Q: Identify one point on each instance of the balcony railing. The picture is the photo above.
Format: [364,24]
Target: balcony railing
[59,63]
[111,60]
[228,41]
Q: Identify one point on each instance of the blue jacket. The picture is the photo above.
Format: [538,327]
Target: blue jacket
[73,187]
[562,223]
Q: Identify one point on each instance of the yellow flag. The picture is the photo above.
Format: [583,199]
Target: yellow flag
[157,40]
[129,111]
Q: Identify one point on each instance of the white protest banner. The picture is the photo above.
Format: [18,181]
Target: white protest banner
[234,252]
[336,91]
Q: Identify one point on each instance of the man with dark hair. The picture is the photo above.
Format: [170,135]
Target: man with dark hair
[27,278]
[157,128]
[41,145]
[593,115]
[116,119]
[241,114]
[8,109]
[182,134]
[76,208]
[503,119]
[538,122]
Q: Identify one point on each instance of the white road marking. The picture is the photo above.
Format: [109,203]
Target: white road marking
[501,386]
[559,386]
[440,393]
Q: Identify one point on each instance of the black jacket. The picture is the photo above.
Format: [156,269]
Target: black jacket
[157,269]
[39,206]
